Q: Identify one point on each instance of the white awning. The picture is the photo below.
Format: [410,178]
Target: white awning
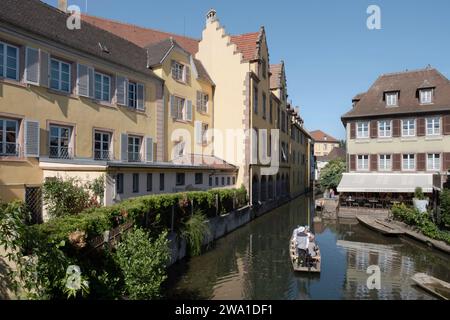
[386,182]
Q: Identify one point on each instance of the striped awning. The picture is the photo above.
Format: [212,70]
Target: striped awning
[387,182]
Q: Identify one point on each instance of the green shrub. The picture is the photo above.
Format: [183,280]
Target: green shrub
[194,231]
[143,263]
[445,206]
[418,194]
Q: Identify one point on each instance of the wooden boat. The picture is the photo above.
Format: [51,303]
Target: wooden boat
[433,285]
[304,263]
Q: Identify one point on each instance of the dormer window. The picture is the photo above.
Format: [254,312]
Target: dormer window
[426,96]
[391,99]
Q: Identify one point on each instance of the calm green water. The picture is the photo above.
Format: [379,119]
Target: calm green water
[253,262]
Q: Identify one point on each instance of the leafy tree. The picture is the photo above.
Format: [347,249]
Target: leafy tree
[445,206]
[331,174]
[343,144]
[143,263]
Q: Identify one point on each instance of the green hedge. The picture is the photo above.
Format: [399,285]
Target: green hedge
[420,220]
[153,212]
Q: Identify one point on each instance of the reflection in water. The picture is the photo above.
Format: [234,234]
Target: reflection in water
[253,262]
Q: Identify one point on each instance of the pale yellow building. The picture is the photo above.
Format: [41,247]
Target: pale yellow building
[324,143]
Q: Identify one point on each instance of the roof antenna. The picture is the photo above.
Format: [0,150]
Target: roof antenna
[428,66]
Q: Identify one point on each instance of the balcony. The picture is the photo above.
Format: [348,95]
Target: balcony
[10,150]
[103,155]
[134,157]
[60,152]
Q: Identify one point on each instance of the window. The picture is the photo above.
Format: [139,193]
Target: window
[204,131]
[384,129]
[149,181]
[9,61]
[433,126]
[255,100]
[271,111]
[325,147]
[223,181]
[102,144]
[134,149]
[385,162]
[217,181]
[264,109]
[234,180]
[199,178]
[179,104]
[9,131]
[409,162]
[161,182]
[426,96]
[434,162]
[228,181]
[210,181]
[178,71]
[362,130]
[363,162]
[179,149]
[180,179]
[408,128]
[135,182]
[132,94]
[391,99]
[119,183]
[202,101]
[102,87]
[60,75]
[60,146]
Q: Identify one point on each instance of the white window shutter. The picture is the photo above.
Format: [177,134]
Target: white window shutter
[199,101]
[140,96]
[149,149]
[173,107]
[124,147]
[187,74]
[32,140]
[189,110]
[83,81]
[44,65]
[91,76]
[32,66]
[121,90]
[198,132]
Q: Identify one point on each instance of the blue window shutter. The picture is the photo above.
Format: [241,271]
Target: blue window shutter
[44,65]
[140,96]
[149,149]
[83,80]
[32,138]
[189,110]
[121,91]
[124,147]
[91,82]
[173,107]
[32,66]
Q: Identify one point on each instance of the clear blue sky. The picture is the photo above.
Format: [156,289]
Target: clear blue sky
[330,54]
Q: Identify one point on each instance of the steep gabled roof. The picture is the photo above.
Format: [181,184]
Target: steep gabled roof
[247,44]
[320,136]
[36,17]
[373,104]
[276,71]
[139,35]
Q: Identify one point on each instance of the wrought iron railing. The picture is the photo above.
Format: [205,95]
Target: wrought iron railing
[10,150]
[60,152]
[103,155]
[134,157]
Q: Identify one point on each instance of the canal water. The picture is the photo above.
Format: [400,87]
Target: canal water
[253,262]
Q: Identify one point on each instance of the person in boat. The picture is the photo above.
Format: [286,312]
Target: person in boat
[301,240]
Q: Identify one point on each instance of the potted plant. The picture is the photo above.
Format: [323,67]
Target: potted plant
[420,201]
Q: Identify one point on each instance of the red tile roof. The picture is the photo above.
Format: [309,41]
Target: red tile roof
[320,136]
[247,44]
[139,35]
[275,78]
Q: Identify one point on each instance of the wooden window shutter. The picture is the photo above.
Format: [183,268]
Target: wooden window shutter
[447,161]
[446,122]
[374,129]
[172,68]
[352,130]
[189,110]
[124,147]
[121,90]
[199,101]
[420,127]
[373,162]
[32,66]
[44,66]
[140,97]
[149,149]
[91,75]
[32,138]
[173,107]
[397,162]
[421,162]
[187,74]
[352,162]
[396,128]
[83,80]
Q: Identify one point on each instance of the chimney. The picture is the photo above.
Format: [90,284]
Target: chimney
[211,16]
[62,5]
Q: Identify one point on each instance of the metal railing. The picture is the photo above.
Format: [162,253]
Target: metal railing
[10,150]
[60,152]
[134,157]
[103,155]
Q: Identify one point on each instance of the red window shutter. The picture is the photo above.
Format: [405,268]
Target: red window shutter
[373,162]
[374,129]
[396,128]
[421,162]
[447,161]
[446,121]
[352,130]
[397,162]
[352,162]
[420,127]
